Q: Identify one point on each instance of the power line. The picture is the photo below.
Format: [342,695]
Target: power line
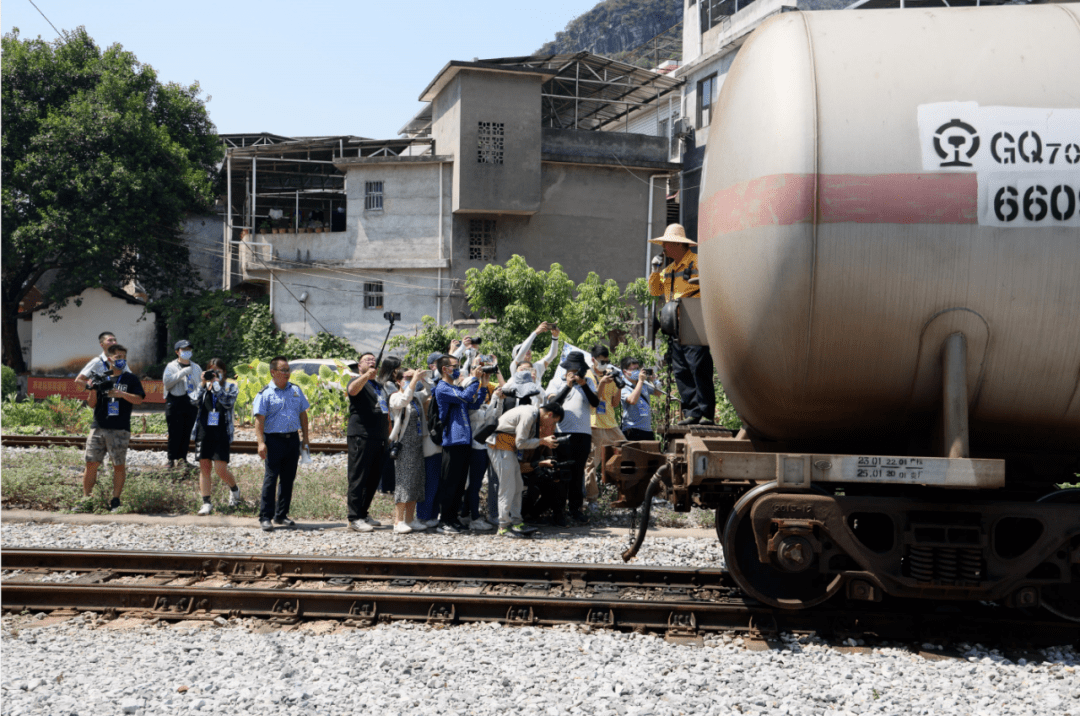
[46,19]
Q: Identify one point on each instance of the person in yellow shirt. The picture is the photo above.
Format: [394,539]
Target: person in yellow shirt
[605,427]
[692,365]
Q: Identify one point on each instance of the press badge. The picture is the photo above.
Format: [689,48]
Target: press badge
[601,408]
[213,418]
[382,405]
[114,407]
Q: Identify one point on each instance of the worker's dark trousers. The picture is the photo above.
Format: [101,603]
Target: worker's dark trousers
[693,368]
[364,469]
[282,457]
[180,418]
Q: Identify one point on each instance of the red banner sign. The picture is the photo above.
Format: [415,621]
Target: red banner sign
[44,387]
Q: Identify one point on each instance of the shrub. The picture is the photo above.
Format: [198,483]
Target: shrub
[9,384]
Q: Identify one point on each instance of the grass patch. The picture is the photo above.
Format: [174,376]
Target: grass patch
[52,480]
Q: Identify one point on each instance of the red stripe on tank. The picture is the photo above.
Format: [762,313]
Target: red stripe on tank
[786,199]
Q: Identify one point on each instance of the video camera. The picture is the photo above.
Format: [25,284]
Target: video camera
[553,473]
[99,383]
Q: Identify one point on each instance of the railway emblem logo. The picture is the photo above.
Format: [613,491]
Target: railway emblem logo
[959,136]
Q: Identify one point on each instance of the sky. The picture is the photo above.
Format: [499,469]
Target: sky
[316,68]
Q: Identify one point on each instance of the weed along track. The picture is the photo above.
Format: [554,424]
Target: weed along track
[155,443]
[682,604]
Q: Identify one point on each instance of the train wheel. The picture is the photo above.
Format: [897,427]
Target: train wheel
[769,583]
[1063,599]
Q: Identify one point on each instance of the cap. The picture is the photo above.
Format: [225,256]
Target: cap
[434,357]
[183,343]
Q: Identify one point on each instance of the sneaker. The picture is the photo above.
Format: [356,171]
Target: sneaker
[526,529]
[266,526]
[86,504]
[418,525]
[465,520]
[285,522]
[433,522]
[560,521]
[234,498]
[360,526]
[447,529]
[372,521]
[114,505]
[512,532]
[579,516]
[692,420]
[402,528]
[480,525]
[206,508]
[705,421]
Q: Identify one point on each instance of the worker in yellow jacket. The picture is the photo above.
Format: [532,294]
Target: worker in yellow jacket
[692,365]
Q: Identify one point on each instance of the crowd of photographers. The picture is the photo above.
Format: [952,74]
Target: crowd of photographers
[433,435]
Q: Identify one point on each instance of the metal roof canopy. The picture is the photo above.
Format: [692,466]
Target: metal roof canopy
[593,92]
[583,90]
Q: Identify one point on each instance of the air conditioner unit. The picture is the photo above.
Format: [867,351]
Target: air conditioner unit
[683,128]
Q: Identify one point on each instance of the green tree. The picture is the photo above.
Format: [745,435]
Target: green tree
[100,163]
[515,298]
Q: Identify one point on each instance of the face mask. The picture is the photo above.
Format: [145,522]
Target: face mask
[186,355]
[456,374]
[120,363]
[523,376]
[634,374]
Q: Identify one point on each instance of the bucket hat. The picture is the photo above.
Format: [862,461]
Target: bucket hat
[674,234]
[575,361]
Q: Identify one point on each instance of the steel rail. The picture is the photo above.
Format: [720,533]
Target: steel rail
[142,443]
[686,604]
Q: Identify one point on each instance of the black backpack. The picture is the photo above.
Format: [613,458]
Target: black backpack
[434,423]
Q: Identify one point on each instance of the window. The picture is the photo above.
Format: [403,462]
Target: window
[490,143]
[706,94]
[481,240]
[663,131]
[373,294]
[373,196]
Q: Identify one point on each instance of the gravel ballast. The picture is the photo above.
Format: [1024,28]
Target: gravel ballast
[90,666]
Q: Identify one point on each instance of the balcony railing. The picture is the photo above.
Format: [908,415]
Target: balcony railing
[713,12]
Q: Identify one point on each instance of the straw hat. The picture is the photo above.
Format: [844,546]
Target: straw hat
[674,234]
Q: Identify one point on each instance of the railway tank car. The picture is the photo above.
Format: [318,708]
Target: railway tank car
[889,253]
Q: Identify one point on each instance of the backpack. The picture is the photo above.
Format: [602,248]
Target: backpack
[434,423]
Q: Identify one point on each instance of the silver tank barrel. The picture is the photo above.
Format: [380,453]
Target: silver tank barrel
[877,181]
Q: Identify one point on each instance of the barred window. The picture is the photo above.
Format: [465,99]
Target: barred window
[706,97]
[481,240]
[373,196]
[490,143]
[373,294]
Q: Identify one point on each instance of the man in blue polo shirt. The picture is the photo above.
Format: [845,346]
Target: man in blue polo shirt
[280,411]
[454,402]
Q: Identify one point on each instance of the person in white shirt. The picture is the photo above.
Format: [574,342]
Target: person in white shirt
[181,379]
[523,352]
[100,364]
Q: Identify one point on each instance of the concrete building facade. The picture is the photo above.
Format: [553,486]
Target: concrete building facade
[505,159]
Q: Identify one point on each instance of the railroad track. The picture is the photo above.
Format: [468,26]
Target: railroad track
[144,443]
[683,604]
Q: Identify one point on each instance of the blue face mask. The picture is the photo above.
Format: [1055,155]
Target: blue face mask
[523,376]
[186,355]
[120,363]
[456,374]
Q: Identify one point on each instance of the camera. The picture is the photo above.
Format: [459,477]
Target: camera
[99,383]
[560,439]
[209,376]
[395,450]
[615,374]
[649,372]
[475,341]
[392,316]
[490,369]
